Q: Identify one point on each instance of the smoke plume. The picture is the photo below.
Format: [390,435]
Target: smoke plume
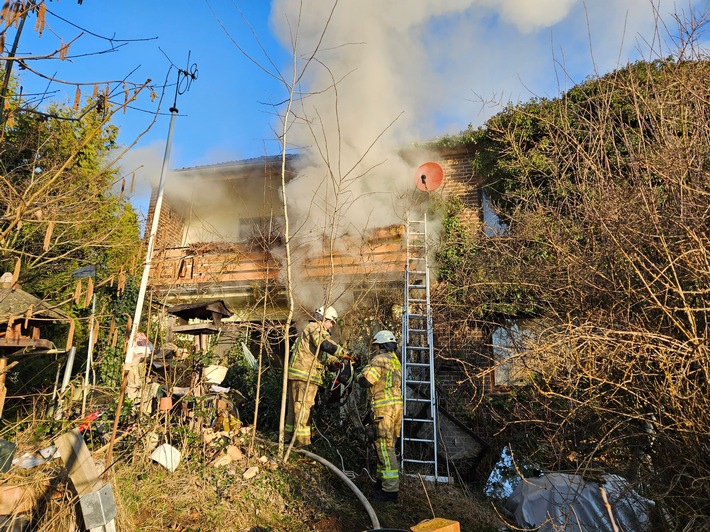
[376,76]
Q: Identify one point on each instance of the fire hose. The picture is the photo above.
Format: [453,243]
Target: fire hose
[349,483]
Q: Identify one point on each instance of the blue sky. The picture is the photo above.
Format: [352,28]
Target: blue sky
[148,37]
[405,69]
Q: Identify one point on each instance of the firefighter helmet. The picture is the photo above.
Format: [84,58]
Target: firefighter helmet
[384,337]
[326,313]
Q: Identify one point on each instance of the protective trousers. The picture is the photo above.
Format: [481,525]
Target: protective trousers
[389,427]
[300,401]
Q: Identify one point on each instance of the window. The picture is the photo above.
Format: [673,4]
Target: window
[509,341]
[492,224]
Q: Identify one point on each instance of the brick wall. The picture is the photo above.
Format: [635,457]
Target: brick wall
[462,351]
[170,224]
[459,180]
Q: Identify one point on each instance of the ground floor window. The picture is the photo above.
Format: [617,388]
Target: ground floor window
[509,342]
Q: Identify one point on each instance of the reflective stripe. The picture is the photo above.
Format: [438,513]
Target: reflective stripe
[303,375]
[385,374]
[380,403]
[385,455]
[390,473]
[371,374]
[288,428]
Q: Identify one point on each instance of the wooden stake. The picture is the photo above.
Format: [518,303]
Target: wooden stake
[3,390]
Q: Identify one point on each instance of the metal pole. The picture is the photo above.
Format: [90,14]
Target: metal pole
[89,354]
[151,240]
[144,284]
[67,370]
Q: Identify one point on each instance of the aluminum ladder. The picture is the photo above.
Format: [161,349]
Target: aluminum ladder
[420,432]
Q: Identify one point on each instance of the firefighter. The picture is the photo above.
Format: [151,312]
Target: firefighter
[312,351]
[383,378]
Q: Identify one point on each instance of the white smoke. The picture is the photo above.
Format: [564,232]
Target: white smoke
[388,73]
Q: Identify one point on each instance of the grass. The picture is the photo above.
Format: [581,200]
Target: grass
[301,495]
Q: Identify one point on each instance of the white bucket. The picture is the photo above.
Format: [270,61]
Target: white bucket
[214,374]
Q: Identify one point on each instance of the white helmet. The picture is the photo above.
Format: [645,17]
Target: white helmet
[384,337]
[328,313]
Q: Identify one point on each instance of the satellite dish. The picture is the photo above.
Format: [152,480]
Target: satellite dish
[429,177]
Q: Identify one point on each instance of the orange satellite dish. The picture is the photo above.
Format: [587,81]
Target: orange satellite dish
[429,177]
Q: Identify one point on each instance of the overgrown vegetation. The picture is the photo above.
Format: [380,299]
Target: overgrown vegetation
[603,194]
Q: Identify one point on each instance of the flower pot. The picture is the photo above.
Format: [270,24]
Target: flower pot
[214,374]
[166,403]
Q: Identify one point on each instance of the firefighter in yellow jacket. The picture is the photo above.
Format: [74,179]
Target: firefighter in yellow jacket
[383,377]
[312,351]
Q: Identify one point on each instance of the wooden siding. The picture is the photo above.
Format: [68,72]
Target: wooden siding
[381,256]
[185,266]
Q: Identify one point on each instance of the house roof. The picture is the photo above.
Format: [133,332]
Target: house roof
[15,302]
[204,310]
[242,163]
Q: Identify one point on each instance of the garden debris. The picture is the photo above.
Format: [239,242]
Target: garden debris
[49,452]
[7,452]
[250,473]
[565,502]
[221,460]
[95,497]
[167,456]
[235,453]
[28,461]
[437,524]
[16,499]
[209,435]
[98,508]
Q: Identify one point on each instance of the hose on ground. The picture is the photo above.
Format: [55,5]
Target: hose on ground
[348,482]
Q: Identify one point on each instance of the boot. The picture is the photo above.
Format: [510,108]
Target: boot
[385,496]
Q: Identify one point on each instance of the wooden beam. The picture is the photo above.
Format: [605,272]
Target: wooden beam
[79,462]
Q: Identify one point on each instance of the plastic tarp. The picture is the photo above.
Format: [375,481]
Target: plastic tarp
[563,502]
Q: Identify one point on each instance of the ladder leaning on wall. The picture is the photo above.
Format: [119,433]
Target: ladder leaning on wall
[419,442]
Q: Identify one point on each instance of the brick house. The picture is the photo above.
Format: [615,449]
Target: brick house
[195,260]
[237,261]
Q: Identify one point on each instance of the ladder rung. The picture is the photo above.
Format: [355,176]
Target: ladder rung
[416,400]
[418,347]
[432,478]
[424,420]
[418,440]
[418,382]
[418,461]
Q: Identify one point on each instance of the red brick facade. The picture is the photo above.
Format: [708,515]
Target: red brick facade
[459,180]
[170,224]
